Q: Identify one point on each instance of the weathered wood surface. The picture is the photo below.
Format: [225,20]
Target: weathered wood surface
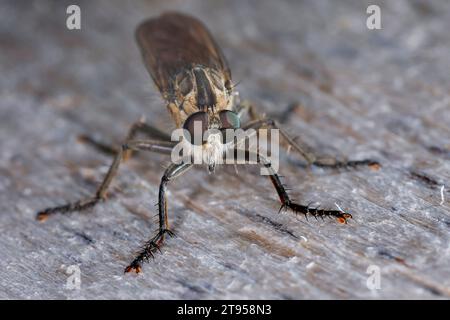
[381,94]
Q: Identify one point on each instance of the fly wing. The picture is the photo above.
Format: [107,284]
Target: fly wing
[173,42]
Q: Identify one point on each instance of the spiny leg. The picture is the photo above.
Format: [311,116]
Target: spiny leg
[98,145]
[150,131]
[136,128]
[301,148]
[154,244]
[286,202]
[246,107]
[83,204]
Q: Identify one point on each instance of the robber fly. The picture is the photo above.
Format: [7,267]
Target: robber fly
[194,79]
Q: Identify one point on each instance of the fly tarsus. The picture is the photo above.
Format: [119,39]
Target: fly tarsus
[67,208]
[148,250]
[372,164]
[316,212]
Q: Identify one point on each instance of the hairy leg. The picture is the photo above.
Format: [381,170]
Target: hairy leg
[154,244]
[286,202]
[83,204]
[136,128]
[301,147]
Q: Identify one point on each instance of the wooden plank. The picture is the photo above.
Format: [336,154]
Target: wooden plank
[379,94]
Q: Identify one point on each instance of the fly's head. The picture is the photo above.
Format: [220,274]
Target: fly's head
[209,134]
[204,98]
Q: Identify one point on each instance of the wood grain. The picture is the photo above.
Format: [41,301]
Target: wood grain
[380,94]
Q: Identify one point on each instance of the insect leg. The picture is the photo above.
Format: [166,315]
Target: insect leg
[246,107]
[302,149]
[152,245]
[150,131]
[136,128]
[286,202]
[155,146]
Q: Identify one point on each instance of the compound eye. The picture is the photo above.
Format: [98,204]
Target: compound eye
[229,122]
[196,124]
[229,119]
